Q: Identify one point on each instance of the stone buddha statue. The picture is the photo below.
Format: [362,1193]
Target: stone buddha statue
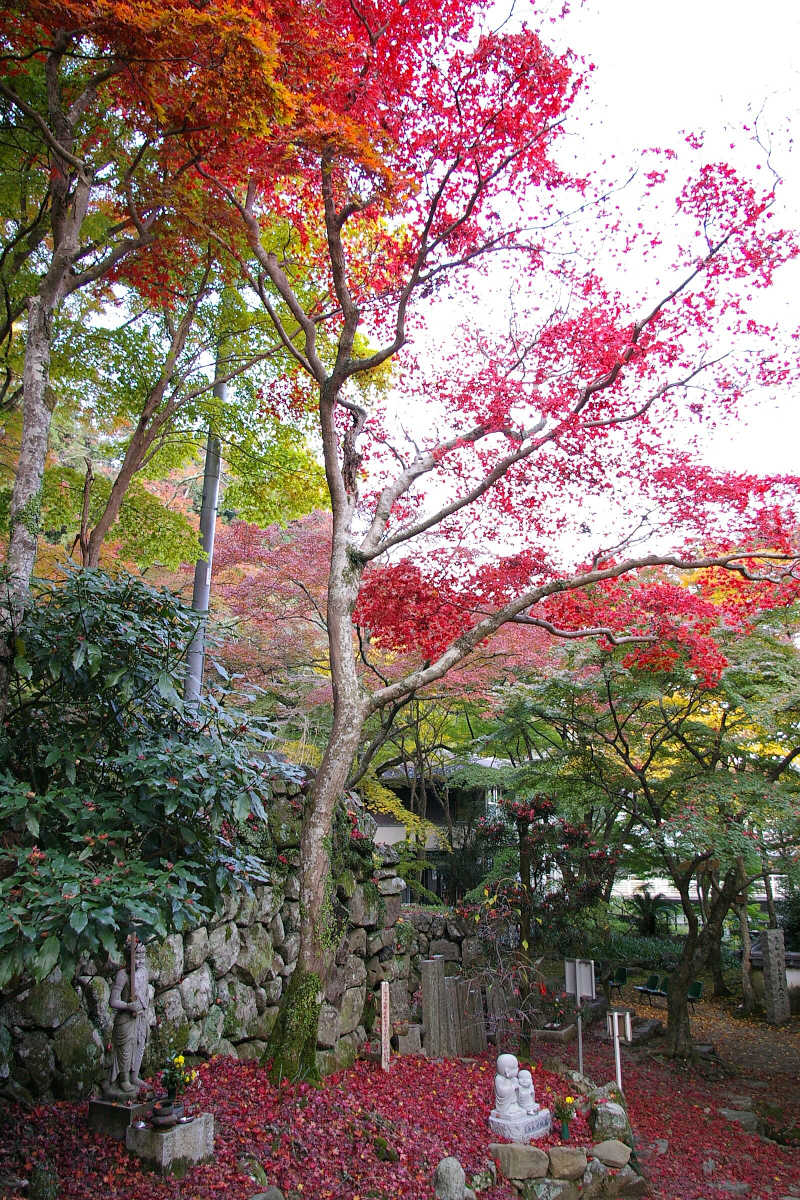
[505,1087]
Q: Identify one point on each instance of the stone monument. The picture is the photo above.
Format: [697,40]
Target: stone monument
[776,990]
[516,1115]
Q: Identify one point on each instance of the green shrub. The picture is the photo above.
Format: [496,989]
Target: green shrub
[117,802]
[648,953]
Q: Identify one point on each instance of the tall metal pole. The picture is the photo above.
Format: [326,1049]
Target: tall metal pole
[201,593]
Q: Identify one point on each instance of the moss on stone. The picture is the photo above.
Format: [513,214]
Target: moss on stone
[165,965]
[79,1058]
[36,1062]
[346,884]
[284,824]
[49,1004]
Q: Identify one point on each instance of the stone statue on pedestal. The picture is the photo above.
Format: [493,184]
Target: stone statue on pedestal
[129,999]
[516,1115]
[505,1086]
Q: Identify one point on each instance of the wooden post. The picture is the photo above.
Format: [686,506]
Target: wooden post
[454,1032]
[497,1010]
[477,1020]
[386,1031]
[434,1005]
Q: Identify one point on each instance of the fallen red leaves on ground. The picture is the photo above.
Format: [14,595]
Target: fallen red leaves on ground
[325,1142]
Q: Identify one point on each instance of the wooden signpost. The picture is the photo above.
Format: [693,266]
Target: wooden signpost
[386,1031]
[579,982]
[613,1018]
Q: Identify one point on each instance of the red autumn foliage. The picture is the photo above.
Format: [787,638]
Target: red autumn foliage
[319,1142]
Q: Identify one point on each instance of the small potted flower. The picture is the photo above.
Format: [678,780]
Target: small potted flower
[564,1109]
[175,1078]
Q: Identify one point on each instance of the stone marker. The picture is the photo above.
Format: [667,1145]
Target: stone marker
[450,1182]
[452,1040]
[434,1006]
[776,991]
[173,1151]
[473,1022]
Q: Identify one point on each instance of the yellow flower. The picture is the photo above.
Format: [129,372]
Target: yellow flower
[570,1099]
[179,1060]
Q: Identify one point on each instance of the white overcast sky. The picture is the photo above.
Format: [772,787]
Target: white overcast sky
[710,66]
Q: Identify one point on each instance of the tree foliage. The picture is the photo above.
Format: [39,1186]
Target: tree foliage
[114,797]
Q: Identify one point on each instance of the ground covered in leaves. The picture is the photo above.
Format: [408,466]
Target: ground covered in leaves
[366,1135]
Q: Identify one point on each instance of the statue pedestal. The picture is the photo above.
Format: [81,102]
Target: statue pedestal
[521,1129]
[174,1151]
[114,1117]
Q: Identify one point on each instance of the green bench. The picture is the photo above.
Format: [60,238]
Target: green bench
[656,985]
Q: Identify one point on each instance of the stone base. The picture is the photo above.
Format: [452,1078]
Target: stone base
[411,1042]
[114,1118]
[522,1129]
[566,1034]
[173,1151]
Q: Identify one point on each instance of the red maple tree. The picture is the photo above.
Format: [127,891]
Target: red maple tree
[511,445]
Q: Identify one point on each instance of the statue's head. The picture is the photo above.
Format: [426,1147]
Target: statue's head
[507,1065]
[525,1079]
[140,954]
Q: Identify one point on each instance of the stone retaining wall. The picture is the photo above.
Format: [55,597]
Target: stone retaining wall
[215,989]
[438,931]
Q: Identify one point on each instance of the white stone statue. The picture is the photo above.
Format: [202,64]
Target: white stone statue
[129,998]
[516,1115]
[526,1097]
[505,1086]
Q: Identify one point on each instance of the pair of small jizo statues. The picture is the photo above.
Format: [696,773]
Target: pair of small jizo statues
[513,1090]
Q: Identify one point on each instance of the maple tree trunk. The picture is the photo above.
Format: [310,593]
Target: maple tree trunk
[697,951]
[26,499]
[292,1046]
[748,994]
[110,513]
[68,213]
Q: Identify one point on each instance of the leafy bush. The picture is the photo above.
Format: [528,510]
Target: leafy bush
[659,953]
[649,912]
[113,795]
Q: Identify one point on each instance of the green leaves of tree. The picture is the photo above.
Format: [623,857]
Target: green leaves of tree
[113,799]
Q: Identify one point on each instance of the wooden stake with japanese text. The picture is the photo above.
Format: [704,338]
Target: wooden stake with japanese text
[386,1032]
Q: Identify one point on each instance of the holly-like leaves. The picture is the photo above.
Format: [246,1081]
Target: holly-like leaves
[114,798]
